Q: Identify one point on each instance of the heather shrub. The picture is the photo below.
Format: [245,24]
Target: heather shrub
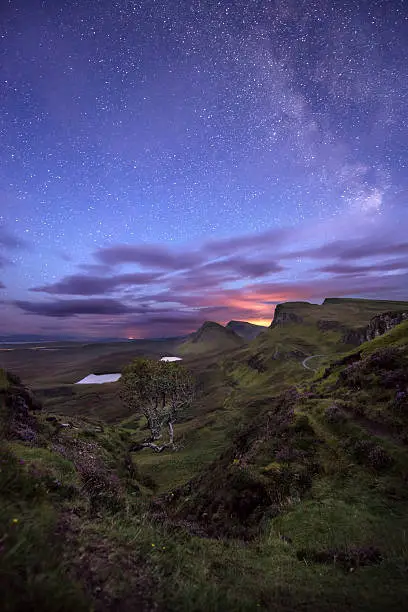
[384,359]
[352,376]
[370,454]
[334,415]
[394,378]
[400,403]
[102,488]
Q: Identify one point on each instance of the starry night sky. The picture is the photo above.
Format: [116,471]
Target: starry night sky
[167,162]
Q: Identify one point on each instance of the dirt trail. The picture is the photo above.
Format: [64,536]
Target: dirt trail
[304,362]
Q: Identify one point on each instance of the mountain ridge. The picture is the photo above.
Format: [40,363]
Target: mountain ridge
[246,330]
[211,336]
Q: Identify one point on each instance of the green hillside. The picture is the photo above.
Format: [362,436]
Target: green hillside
[287,490]
[352,313]
[211,337]
[304,329]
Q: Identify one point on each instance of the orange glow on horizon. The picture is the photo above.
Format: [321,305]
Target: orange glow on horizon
[264,322]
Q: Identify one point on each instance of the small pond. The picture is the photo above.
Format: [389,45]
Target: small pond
[98,379]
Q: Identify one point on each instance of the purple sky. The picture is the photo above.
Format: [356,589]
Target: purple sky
[164,163]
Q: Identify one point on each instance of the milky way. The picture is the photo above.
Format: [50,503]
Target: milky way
[167,162]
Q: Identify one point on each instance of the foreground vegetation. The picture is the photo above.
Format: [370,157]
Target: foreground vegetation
[288,491]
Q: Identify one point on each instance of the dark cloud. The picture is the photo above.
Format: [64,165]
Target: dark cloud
[237,278]
[2,285]
[69,308]
[215,274]
[78,284]
[148,256]
[198,280]
[351,249]
[270,239]
[244,267]
[394,285]
[349,269]
[158,256]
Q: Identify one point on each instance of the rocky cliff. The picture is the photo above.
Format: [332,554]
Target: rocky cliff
[383,323]
[377,326]
[354,320]
[282,316]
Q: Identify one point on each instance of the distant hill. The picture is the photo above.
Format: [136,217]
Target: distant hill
[338,324]
[210,337]
[246,330]
[335,312]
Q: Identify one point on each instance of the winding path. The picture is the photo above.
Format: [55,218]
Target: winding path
[304,362]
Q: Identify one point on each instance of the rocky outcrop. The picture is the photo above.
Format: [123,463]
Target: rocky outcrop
[377,326]
[283,317]
[354,336]
[382,323]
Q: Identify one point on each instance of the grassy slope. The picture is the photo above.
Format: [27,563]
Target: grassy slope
[353,503]
[356,506]
[211,337]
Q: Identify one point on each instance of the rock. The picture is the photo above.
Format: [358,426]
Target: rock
[377,326]
[382,323]
[354,336]
[282,318]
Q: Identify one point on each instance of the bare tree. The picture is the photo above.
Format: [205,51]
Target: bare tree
[160,391]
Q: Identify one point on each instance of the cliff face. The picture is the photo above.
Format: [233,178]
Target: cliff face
[384,322]
[377,326]
[282,316]
[354,331]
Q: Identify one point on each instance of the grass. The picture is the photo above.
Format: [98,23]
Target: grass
[199,447]
[268,504]
[32,573]
[397,337]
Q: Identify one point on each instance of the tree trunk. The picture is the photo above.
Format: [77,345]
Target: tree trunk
[171,434]
[155,429]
